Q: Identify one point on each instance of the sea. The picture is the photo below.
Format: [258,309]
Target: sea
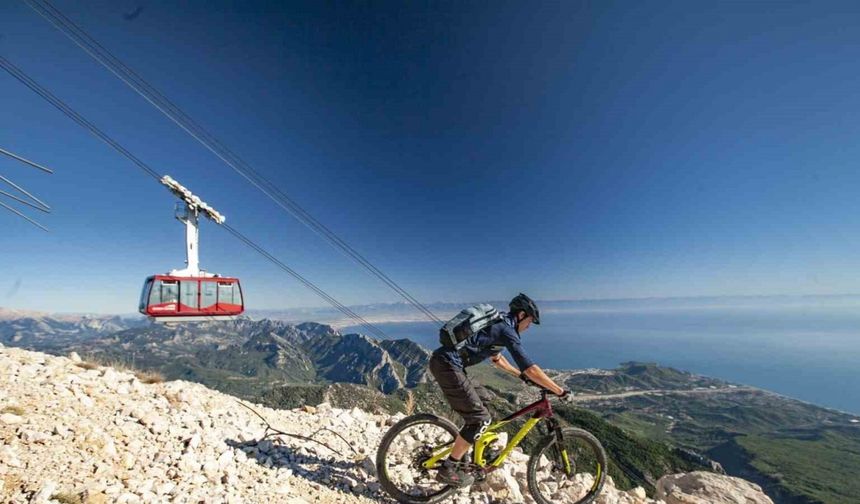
[811,353]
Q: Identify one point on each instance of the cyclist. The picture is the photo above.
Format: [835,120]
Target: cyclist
[448,365]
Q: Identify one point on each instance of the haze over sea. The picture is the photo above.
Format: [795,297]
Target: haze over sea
[807,351]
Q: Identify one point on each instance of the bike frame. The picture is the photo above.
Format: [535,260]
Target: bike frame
[540,410]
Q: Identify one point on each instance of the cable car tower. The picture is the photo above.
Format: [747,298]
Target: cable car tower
[191,294]
[188,211]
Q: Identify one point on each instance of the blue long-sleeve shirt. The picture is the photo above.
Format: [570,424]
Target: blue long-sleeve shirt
[489,342]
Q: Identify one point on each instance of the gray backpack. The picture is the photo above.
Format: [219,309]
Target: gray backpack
[469,321]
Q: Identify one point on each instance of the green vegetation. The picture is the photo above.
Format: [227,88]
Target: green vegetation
[821,463]
[224,380]
[796,451]
[642,425]
[293,396]
[634,461]
[638,376]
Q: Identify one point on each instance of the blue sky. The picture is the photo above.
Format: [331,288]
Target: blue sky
[471,151]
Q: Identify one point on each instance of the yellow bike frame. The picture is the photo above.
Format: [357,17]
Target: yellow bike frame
[482,442]
[540,410]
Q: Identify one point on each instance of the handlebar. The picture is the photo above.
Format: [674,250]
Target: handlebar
[543,390]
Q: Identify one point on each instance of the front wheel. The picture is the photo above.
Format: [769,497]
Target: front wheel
[404,460]
[567,466]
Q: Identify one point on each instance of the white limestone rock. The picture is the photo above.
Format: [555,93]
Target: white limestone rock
[11,419]
[45,492]
[707,488]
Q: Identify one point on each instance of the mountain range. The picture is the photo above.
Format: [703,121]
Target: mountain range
[653,420]
[286,366]
[247,356]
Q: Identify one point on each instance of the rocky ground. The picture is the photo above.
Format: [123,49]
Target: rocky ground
[76,433]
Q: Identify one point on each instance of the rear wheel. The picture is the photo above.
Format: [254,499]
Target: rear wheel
[402,453]
[567,466]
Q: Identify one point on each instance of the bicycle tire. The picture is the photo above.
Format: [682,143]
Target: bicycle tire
[549,440]
[382,468]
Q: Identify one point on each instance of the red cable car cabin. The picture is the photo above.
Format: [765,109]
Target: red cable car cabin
[168,298]
[190,294]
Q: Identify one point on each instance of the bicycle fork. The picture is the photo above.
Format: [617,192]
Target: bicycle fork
[559,450]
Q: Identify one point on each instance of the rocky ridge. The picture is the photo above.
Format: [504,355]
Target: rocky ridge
[75,433]
[243,357]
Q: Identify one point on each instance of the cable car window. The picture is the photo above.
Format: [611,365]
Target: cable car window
[155,294]
[225,292]
[169,291]
[188,291]
[144,293]
[208,294]
[237,295]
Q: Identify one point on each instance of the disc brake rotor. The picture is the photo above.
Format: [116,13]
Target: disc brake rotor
[424,454]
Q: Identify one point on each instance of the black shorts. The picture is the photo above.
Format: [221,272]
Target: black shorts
[462,395]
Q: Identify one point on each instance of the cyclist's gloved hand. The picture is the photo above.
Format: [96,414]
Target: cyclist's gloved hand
[565,396]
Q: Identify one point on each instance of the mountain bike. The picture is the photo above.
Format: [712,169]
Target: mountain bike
[567,465]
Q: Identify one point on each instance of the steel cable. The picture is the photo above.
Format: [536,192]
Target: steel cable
[31,221]
[24,202]
[24,192]
[72,114]
[184,121]
[25,161]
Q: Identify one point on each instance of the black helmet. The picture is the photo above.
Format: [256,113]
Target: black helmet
[523,303]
